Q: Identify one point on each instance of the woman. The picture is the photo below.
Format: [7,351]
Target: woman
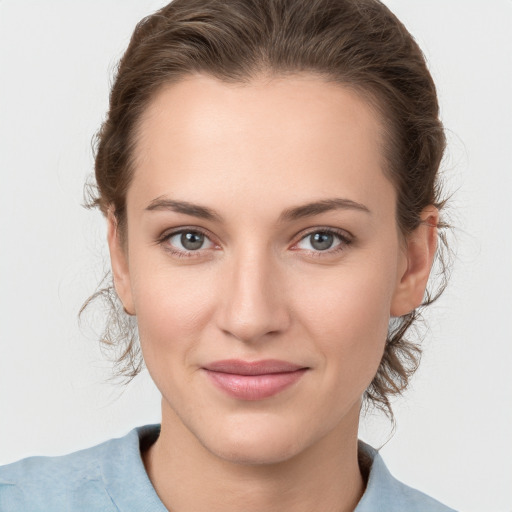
[268,172]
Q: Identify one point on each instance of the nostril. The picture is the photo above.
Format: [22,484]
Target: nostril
[251,305]
[251,325]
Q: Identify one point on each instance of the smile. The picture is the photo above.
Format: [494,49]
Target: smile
[253,380]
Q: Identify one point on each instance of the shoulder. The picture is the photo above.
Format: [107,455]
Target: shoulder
[63,482]
[385,492]
[78,481]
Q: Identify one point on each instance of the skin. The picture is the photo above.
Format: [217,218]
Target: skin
[259,289]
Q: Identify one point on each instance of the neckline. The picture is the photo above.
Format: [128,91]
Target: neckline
[368,459]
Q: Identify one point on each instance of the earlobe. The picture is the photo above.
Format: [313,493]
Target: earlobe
[420,250]
[119,263]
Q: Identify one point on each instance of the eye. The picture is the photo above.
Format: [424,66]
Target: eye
[324,240]
[188,241]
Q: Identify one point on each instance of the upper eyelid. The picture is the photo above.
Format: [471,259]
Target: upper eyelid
[185,229]
[168,234]
[342,233]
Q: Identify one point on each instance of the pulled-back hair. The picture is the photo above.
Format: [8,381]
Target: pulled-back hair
[359,44]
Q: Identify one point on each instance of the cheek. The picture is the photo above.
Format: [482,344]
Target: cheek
[347,315]
[172,307]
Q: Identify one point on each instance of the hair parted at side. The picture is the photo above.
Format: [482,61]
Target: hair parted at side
[357,43]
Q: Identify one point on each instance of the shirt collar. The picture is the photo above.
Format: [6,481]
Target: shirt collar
[123,463]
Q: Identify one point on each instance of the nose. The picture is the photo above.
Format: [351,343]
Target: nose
[253,306]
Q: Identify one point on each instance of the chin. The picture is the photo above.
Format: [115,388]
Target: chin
[259,441]
[254,451]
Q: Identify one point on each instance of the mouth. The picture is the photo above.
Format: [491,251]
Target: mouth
[253,380]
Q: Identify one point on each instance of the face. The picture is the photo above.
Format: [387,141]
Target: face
[263,260]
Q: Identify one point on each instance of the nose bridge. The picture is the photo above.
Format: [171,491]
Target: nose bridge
[253,304]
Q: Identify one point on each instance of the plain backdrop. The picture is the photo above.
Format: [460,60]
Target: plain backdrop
[454,426]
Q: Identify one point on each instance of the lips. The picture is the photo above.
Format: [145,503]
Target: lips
[253,380]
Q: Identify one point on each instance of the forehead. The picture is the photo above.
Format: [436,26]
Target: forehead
[293,137]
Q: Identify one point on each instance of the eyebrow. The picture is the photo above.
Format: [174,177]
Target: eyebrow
[195,210]
[290,214]
[318,207]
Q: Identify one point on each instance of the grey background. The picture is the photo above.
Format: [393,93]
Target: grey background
[453,438]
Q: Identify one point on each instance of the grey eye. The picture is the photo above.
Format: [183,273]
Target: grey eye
[321,241]
[318,241]
[192,240]
[189,241]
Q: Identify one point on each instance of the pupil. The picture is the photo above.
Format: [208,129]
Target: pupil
[322,241]
[192,241]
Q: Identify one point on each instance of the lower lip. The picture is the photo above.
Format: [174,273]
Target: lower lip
[254,387]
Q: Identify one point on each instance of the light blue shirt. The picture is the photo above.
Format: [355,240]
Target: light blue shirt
[111,477]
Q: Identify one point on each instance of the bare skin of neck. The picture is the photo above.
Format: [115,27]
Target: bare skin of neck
[186,476]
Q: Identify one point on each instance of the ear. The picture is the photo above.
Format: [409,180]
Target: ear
[119,262]
[419,254]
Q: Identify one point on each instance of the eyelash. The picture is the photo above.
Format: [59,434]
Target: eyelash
[179,253]
[344,239]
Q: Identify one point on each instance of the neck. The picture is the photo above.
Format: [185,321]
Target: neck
[186,476]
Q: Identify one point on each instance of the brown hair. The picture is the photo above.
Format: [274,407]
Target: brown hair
[356,43]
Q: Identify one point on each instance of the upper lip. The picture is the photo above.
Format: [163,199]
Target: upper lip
[263,367]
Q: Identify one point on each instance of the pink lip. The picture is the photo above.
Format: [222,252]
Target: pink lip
[253,380]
